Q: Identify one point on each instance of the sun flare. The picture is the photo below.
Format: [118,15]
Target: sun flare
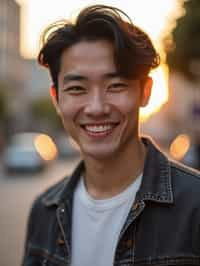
[159,94]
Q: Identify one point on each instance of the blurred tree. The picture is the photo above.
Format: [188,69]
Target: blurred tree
[42,109]
[183,46]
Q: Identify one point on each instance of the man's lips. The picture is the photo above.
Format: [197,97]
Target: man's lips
[99,129]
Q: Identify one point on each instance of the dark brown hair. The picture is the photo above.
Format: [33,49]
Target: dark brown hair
[134,53]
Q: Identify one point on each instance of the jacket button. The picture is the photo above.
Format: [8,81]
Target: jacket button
[129,243]
[135,205]
[60,241]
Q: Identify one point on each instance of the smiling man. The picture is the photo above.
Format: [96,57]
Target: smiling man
[126,203]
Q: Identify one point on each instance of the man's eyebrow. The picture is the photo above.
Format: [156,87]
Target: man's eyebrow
[112,75]
[77,77]
[73,77]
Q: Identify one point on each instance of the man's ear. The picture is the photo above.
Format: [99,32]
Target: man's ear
[54,98]
[146,86]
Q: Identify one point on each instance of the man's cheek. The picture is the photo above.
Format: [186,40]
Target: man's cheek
[67,111]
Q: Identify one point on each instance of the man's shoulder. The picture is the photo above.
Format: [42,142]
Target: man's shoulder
[183,170]
[58,193]
[176,168]
[50,195]
[185,177]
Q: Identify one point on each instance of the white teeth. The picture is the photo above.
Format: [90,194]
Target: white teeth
[99,128]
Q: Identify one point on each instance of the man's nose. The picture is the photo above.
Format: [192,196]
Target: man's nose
[97,105]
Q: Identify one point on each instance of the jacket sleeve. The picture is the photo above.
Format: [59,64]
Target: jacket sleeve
[30,229]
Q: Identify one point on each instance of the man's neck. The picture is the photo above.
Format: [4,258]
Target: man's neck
[105,179]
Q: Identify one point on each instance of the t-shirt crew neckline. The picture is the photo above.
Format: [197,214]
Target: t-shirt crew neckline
[116,201]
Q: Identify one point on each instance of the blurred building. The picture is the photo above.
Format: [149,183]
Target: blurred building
[22,80]
[37,81]
[36,90]
[9,41]
[12,65]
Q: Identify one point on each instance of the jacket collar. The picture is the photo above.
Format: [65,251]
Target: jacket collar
[156,184]
[64,191]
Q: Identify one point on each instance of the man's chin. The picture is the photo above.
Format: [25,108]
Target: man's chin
[99,153]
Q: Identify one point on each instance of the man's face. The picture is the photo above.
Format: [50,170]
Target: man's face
[98,107]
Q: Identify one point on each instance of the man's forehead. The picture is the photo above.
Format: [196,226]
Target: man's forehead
[88,59]
[78,77]
[86,51]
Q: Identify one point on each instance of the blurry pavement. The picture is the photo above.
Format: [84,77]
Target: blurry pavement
[17,193]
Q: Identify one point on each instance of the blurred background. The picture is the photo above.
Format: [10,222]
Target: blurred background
[34,150]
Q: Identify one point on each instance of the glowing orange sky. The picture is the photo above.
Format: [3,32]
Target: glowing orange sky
[152,15]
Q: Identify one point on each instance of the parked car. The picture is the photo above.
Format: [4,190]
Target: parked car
[26,152]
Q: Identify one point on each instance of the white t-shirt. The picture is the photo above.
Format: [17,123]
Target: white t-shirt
[96,224]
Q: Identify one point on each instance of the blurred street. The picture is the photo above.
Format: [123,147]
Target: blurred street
[17,193]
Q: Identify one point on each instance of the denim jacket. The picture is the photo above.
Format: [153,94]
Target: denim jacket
[162,228]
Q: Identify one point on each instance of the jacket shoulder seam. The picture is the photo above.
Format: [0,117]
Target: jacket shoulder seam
[185,169]
[52,189]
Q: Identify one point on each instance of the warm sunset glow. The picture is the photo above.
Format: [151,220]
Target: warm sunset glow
[45,147]
[154,16]
[159,94]
[180,146]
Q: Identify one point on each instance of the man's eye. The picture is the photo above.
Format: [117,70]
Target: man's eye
[117,87]
[74,90]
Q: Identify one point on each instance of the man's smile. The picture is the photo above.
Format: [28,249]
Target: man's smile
[99,129]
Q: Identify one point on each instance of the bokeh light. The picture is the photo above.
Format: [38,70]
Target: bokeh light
[180,146]
[45,147]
